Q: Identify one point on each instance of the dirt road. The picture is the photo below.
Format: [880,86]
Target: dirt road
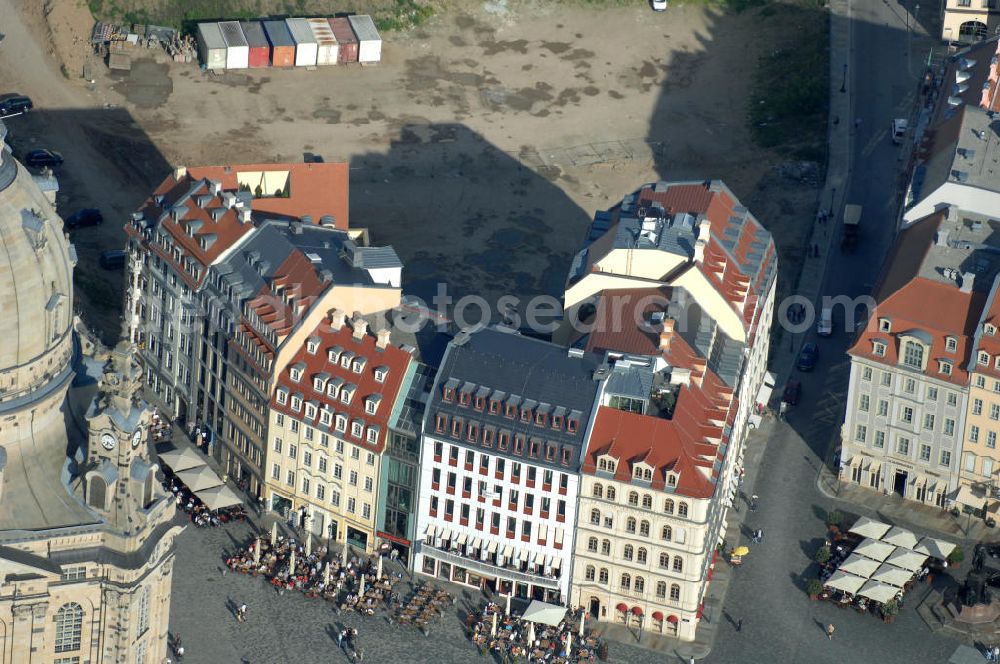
[480,148]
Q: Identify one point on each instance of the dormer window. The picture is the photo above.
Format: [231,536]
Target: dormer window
[331,389]
[518,444]
[319,383]
[878,348]
[511,411]
[525,414]
[310,411]
[381,373]
[341,423]
[950,344]
[550,452]
[671,479]
[346,393]
[494,406]
[944,367]
[990,329]
[574,423]
[457,425]
[983,358]
[504,440]
[345,360]
[464,398]
[282,397]
[884,325]
[296,404]
[373,435]
[541,419]
[333,354]
[440,422]
[312,345]
[473,433]
[557,421]
[325,417]
[607,464]
[371,403]
[359,365]
[357,428]
[295,373]
[642,472]
[913,355]
[449,393]
[567,456]
[534,448]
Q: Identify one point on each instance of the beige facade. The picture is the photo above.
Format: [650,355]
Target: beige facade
[334,480]
[968,21]
[654,543]
[980,457]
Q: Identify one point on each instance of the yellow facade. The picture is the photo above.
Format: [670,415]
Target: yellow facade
[969,21]
[335,480]
[980,461]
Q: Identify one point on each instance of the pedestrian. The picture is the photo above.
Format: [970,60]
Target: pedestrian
[760,534]
[829,631]
[340,638]
[739,625]
[815,250]
[857,123]
[753,503]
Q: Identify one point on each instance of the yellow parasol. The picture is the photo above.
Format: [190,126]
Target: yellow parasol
[741,551]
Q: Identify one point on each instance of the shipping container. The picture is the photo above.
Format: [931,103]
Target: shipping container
[305,43]
[346,41]
[237,50]
[326,42]
[211,46]
[260,50]
[282,44]
[369,41]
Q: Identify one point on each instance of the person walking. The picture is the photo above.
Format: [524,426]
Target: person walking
[829,631]
[739,625]
[753,503]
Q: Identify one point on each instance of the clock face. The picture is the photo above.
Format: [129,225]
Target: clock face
[108,441]
[137,438]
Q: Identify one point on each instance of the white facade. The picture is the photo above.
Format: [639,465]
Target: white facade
[542,539]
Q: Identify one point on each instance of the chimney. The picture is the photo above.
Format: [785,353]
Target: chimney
[214,187]
[382,338]
[180,172]
[704,227]
[360,326]
[967,279]
[337,318]
[941,239]
[328,221]
[245,215]
[666,334]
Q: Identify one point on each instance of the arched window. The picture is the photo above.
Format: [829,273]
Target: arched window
[606,547]
[682,509]
[147,490]
[143,609]
[69,626]
[628,552]
[592,544]
[678,564]
[665,560]
[633,498]
[98,491]
[640,584]
[913,355]
[668,506]
[644,528]
[647,501]
[603,578]
[630,525]
[626,582]
[590,572]
[598,491]
[661,589]
[640,556]
[675,592]
[666,533]
[595,517]
[611,493]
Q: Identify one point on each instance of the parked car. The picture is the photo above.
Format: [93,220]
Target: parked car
[807,357]
[14,105]
[793,389]
[659,5]
[113,259]
[39,158]
[899,126]
[84,217]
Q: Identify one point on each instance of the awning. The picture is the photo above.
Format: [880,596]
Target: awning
[841,580]
[461,539]
[970,497]
[183,458]
[874,549]
[636,611]
[546,614]
[494,545]
[199,478]
[859,566]
[556,564]
[508,551]
[657,615]
[218,497]
[431,529]
[559,535]
[445,534]
[900,537]
[869,528]
[519,555]
[622,606]
[934,548]
[672,619]
[538,559]
[880,592]
[477,544]
[894,576]
[907,559]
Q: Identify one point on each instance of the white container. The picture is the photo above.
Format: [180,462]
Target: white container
[327,48]
[305,43]
[211,46]
[369,40]
[237,48]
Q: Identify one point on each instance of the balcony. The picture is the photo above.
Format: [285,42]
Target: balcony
[483,567]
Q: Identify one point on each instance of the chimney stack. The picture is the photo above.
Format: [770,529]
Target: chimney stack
[941,239]
[666,334]
[180,172]
[337,318]
[382,338]
[967,279]
[245,215]
[704,228]
[360,326]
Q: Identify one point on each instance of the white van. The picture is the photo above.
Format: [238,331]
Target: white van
[824,327]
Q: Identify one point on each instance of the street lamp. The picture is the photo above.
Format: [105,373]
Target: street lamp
[843,86]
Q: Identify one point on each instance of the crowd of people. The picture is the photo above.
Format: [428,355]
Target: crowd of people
[199,513]
[510,638]
[426,604]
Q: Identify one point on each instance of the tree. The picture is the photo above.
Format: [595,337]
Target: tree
[834,518]
[823,555]
[956,556]
[814,588]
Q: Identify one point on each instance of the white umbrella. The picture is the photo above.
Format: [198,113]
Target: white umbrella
[869,527]
[508,605]
[309,544]
[900,537]
[583,614]
[892,575]
[217,497]
[256,552]
[531,634]
[878,591]
[180,459]
[934,548]
[907,559]
[199,479]
[291,562]
[362,591]
[569,643]
[493,631]
[326,574]
[378,574]
[874,549]
[845,581]
[859,566]
[274,533]
[343,556]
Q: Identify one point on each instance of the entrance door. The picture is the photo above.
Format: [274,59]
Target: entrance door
[899,482]
[595,608]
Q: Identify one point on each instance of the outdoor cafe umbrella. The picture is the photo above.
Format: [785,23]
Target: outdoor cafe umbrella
[343,556]
[878,591]
[218,497]
[845,581]
[183,458]
[892,575]
[874,549]
[326,574]
[741,551]
[934,548]
[900,537]
[361,592]
[869,528]
[309,544]
[199,479]
[378,572]
[256,553]
[907,559]
[531,633]
[569,643]
[508,605]
[859,566]
[274,533]
[582,616]
[291,562]
[493,630]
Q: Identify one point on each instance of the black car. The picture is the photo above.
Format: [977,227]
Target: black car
[808,357]
[13,105]
[84,217]
[792,391]
[113,259]
[38,158]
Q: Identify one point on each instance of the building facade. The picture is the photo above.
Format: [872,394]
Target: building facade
[969,21]
[499,477]
[330,419]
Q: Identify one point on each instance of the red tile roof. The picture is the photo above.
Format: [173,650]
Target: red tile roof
[617,321]
[290,294]
[393,358]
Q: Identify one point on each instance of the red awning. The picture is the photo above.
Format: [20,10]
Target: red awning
[672,619]
[622,606]
[657,615]
[636,611]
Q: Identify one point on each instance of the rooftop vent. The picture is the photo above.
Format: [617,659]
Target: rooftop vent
[955,101]
[574,352]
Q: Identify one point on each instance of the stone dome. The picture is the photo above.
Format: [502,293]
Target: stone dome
[36,287]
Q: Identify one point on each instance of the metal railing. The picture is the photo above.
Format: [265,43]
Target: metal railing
[485,567]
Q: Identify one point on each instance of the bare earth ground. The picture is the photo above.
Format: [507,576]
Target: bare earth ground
[480,147]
